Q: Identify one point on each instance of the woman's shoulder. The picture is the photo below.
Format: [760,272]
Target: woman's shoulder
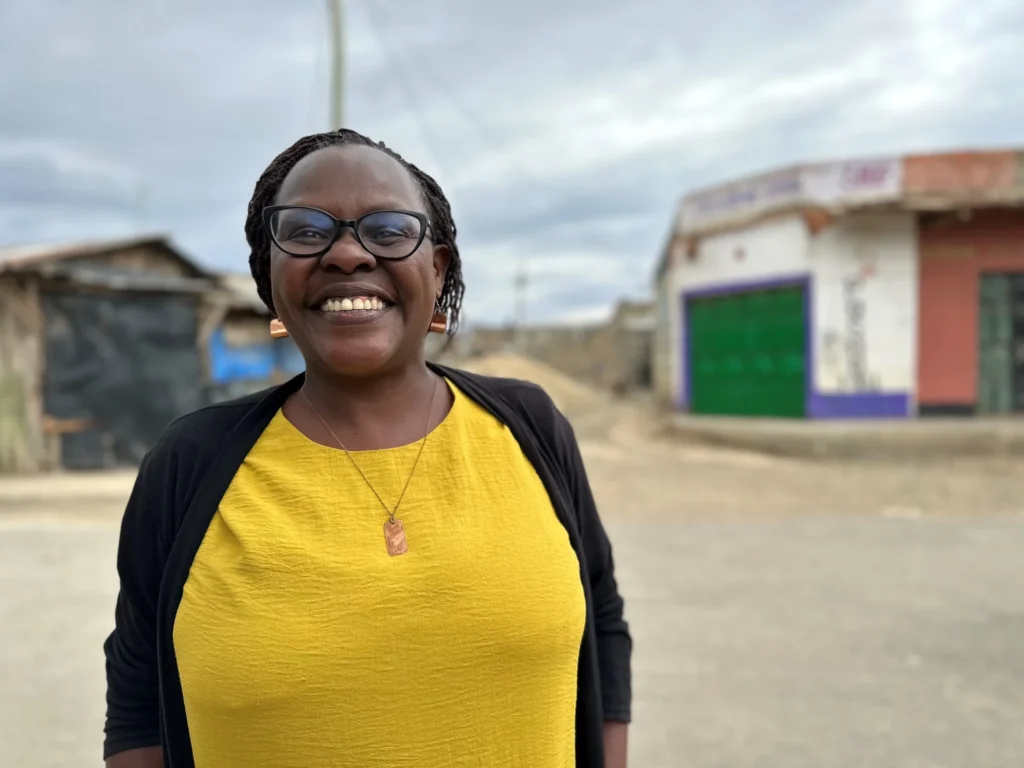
[195,437]
[190,448]
[522,396]
[518,403]
[210,421]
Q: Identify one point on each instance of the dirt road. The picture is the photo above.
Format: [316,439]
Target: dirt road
[785,614]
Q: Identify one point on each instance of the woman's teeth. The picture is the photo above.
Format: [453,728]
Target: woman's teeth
[355,303]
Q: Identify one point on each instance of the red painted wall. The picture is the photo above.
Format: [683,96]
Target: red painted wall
[960,172]
[952,255]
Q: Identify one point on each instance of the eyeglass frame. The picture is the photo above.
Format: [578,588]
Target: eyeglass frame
[340,225]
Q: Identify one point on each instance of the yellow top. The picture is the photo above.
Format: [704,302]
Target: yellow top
[300,642]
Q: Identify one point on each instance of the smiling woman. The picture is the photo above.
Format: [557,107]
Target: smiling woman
[382,562]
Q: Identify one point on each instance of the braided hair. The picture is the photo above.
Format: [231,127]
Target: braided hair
[441,222]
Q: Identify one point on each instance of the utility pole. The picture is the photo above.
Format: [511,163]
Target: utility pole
[337,8]
[522,282]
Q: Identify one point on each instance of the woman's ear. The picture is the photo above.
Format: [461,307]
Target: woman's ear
[442,260]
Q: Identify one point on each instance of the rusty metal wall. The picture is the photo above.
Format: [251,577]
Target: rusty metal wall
[21,437]
[127,364]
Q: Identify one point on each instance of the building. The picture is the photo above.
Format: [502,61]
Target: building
[103,344]
[631,329]
[99,350]
[886,287]
[242,357]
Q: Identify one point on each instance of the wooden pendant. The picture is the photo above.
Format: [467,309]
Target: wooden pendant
[394,538]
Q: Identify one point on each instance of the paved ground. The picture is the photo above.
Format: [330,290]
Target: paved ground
[785,614]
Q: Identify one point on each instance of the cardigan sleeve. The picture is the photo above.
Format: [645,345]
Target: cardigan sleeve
[133,710]
[614,642]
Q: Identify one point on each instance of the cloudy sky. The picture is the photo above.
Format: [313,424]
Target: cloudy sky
[564,131]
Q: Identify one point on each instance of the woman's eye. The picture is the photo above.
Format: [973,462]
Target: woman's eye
[306,234]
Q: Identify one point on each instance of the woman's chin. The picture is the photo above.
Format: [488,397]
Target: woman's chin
[357,358]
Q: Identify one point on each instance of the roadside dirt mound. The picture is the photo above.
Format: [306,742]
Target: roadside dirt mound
[568,393]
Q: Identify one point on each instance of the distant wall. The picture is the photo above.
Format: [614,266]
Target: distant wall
[615,355]
[579,351]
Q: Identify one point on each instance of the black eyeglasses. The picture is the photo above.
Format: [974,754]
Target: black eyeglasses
[310,232]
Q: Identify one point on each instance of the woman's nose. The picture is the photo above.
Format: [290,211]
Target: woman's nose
[347,255]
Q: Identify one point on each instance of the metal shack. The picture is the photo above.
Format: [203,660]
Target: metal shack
[100,348]
[242,357]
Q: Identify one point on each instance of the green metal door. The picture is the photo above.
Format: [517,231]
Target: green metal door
[747,353]
[995,344]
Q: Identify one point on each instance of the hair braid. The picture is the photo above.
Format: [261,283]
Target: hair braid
[440,212]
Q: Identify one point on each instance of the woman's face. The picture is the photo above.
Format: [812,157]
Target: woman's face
[349,182]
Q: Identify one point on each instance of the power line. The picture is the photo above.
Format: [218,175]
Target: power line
[492,141]
[405,84]
[584,238]
[486,132]
[315,85]
[469,115]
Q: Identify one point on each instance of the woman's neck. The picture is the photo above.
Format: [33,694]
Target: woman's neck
[369,413]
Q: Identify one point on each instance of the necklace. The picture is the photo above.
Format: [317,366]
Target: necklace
[394,531]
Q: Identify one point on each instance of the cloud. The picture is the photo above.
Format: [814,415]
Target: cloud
[564,133]
[48,174]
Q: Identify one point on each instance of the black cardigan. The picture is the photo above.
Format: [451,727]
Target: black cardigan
[179,486]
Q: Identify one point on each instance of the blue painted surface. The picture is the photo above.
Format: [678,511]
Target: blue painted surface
[818,405]
[255,362]
[250,363]
[289,359]
[859,405]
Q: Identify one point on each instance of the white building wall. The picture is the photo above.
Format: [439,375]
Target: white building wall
[766,251]
[865,305]
[771,250]
[663,357]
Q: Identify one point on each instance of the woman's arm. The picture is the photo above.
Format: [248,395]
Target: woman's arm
[133,708]
[615,744]
[614,643]
[150,757]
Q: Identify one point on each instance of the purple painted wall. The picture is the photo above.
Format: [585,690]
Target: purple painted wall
[861,405]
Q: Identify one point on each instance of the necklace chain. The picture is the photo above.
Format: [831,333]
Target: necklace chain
[423,442]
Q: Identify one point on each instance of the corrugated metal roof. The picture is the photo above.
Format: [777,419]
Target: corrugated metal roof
[27,257]
[239,289]
[242,288]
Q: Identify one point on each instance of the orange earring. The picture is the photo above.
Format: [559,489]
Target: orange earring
[277,329]
[439,323]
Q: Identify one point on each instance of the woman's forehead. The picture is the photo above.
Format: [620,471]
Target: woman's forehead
[349,175]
